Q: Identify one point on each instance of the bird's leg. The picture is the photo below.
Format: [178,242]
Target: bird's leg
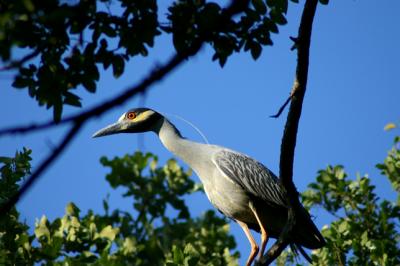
[264,235]
[254,247]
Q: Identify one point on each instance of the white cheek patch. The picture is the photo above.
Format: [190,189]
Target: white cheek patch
[122,117]
[124,126]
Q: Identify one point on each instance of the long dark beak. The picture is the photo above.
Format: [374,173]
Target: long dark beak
[110,130]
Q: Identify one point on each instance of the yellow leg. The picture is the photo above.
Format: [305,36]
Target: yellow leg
[254,247]
[264,235]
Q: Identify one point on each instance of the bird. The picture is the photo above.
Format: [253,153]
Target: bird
[239,186]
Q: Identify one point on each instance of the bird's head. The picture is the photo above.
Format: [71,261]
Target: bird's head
[136,120]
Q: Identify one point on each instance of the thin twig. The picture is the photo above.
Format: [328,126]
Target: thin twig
[19,63]
[281,108]
[4,208]
[294,46]
[290,132]
[285,104]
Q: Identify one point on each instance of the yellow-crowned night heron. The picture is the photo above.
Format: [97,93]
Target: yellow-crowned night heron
[237,185]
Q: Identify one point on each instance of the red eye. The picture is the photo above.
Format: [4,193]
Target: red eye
[131,115]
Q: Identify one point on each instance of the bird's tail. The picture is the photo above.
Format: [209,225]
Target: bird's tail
[306,233]
[297,248]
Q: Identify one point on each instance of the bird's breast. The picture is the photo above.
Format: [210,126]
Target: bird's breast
[228,197]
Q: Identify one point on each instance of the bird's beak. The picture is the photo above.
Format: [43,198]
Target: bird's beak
[111,129]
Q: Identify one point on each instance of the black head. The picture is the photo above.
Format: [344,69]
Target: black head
[136,120]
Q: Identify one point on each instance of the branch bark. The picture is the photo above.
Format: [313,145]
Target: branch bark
[290,132]
[78,120]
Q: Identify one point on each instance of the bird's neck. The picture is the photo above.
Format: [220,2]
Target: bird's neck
[172,139]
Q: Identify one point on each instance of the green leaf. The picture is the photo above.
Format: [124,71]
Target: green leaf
[6,160]
[129,246]
[277,17]
[222,60]
[41,229]
[108,232]
[72,99]
[364,238]
[255,50]
[106,207]
[190,250]
[260,6]
[90,85]
[20,82]
[118,66]
[71,209]
[178,254]
[282,5]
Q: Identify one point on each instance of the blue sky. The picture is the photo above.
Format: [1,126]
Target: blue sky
[353,91]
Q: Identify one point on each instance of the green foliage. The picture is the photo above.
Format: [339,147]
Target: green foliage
[14,238]
[13,170]
[71,40]
[160,230]
[200,20]
[145,235]
[366,229]
[391,167]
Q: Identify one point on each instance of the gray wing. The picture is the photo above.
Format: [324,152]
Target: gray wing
[252,176]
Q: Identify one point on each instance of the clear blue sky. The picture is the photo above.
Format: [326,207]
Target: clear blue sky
[353,91]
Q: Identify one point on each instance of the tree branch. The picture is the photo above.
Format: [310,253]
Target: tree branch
[156,75]
[236,6]
[19,63]
[290,132]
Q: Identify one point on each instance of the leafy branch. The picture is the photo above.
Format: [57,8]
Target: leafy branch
[20,62]
[73,40]
[80,119]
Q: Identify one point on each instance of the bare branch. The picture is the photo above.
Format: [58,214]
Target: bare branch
[80,119]
[31,128]
[155,75]
[290,133]
[4,208]
[278,114]
[19,63]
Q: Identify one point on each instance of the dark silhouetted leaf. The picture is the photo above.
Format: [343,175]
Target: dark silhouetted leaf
[255,50]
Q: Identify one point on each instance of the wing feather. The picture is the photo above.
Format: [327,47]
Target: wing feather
[252,176]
